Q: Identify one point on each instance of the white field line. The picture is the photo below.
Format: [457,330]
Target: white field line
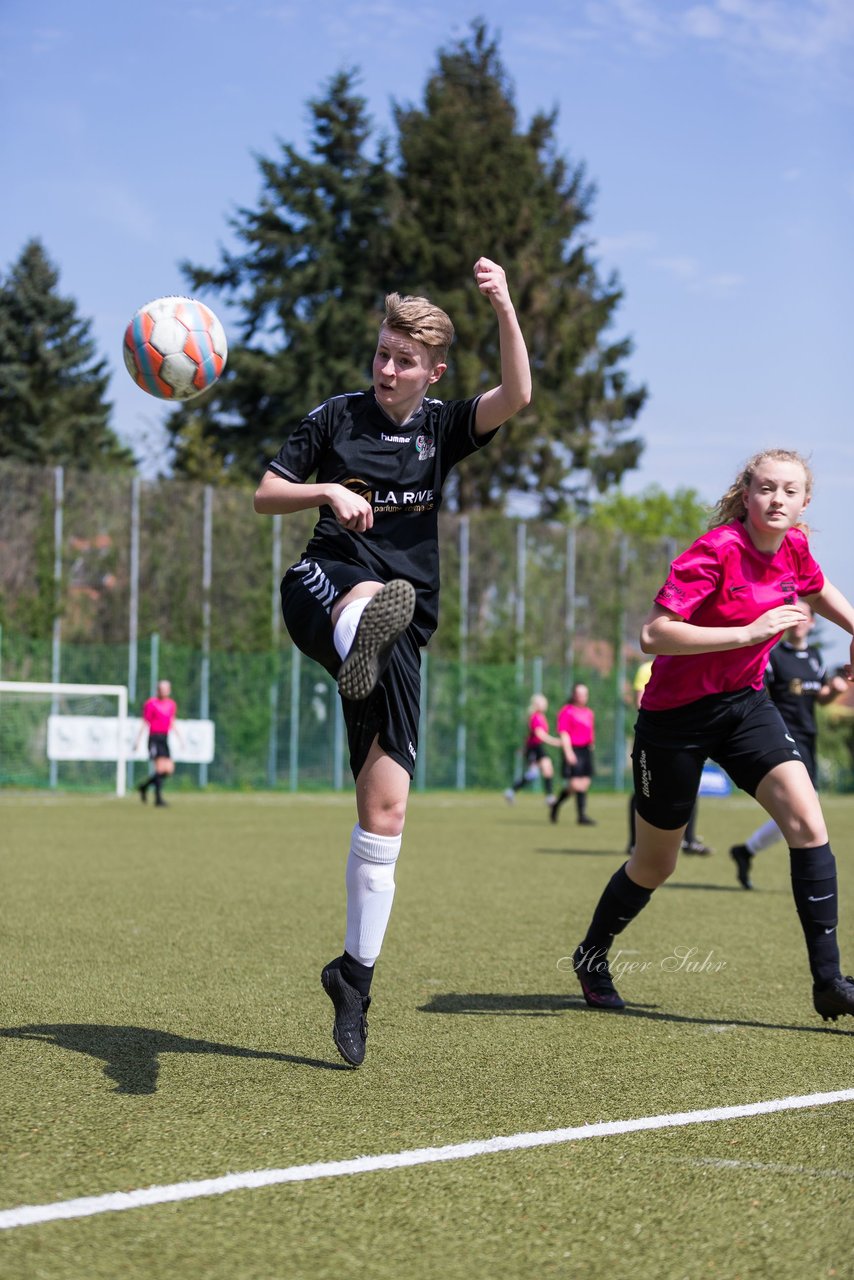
[117,1201]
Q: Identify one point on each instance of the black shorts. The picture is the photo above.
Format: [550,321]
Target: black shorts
[536,753]
[583,767]
[806,746]
[743,732]
[391,713]
[158,746]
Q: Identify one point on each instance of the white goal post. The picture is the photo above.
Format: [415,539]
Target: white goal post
[115,749]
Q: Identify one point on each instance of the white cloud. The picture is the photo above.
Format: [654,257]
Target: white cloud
[626,242]
[702,22]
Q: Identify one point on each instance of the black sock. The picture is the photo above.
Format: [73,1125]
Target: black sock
[158,787]
[814,888]
[580,802]
[357,974]
[547,786]
[561,797]
[690,835]
[618,906]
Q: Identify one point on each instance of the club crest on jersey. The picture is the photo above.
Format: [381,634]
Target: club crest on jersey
[426,447]
[357,485]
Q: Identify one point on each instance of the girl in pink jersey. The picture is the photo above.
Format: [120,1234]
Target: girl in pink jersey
[537,759]
[726,602]
[576,730]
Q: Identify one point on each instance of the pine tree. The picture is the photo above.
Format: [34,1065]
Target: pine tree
[52,386]
[309,286]
[473,183]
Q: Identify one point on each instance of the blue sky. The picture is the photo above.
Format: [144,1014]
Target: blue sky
[720,136]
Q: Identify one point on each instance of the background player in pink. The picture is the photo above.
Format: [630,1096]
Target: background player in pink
[576,727]
[726,602]
[537,759]
[158,714]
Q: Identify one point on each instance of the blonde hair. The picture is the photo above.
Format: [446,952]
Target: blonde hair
[422,321]
[539,702]
[731,505]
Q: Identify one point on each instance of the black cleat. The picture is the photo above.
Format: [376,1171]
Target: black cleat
[742,857]
[591,970]
[584,821]
[386,616]
[834,999]
[143,792]
[350,1028]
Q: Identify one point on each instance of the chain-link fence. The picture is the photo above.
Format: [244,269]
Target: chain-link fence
[110,579]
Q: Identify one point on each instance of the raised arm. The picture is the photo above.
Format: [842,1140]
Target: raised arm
[514,391]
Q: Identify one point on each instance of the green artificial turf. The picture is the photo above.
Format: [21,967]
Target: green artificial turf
[163,1022]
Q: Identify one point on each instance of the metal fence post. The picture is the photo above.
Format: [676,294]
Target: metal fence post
[207,574]
[464,641]
[56,641]
[275,623]
[133,606]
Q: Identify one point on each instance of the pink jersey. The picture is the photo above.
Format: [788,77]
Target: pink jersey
[723,580]
[537,721]
[158,714]
[578,723]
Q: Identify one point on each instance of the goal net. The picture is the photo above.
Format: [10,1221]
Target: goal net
[70,735]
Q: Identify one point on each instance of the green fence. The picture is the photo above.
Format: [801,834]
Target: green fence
[278,720]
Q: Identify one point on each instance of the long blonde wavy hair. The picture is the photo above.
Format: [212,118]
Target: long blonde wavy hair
[731,505]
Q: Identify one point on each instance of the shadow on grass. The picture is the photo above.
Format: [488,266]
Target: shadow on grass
[547,1006]
[132,1054]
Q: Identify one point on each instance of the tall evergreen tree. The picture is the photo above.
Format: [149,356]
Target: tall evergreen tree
[473,182]
[52,386]
[308,283]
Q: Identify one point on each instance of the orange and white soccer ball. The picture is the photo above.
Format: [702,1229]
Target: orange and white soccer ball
[175,348]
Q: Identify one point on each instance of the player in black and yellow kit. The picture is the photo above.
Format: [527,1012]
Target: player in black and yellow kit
[363,599]
[797,681]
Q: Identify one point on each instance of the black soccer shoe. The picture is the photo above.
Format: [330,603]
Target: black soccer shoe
[591,970]
[742,857]
[834,999]
[386,616]
[350,1028]
[143,792]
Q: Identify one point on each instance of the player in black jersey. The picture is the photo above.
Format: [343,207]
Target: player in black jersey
[797,681]
[363,599]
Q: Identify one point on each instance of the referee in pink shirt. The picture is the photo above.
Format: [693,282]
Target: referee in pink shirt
[159,715]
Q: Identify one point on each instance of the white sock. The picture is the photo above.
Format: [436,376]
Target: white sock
[370,892]
[769,833]
[345,627]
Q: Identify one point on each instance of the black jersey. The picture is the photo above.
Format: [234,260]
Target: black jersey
[348,440]
[794,678]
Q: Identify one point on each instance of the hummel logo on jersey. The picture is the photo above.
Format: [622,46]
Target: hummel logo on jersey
[394,439]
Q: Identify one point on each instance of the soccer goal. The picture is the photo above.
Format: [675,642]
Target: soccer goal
[82,726]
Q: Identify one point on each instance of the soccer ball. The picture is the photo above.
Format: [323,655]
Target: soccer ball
[175,348]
